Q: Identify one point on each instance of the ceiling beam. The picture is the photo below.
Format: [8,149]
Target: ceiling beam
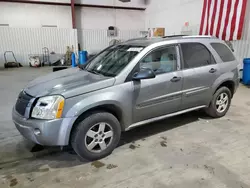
[69,4]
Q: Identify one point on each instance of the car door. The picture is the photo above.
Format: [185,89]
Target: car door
[199,73]
[161,95]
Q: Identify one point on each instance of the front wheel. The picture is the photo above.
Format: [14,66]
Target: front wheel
[220,103]
[96,136]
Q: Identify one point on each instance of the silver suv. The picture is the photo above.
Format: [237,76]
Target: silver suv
[126,86]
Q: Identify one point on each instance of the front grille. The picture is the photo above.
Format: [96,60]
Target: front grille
[22,102]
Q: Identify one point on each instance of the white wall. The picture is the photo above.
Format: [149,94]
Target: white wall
[33,15]
[133,3]
[26,41]
[92,25]
[242,47]
[97,18]
[58,1]
[96,40]
[25,36]
[172,15]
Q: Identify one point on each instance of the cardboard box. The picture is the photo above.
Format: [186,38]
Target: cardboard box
[159,32]
[156,32]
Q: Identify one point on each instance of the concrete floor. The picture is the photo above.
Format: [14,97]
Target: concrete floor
[188,151]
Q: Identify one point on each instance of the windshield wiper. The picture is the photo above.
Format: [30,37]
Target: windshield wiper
[108,74]
[94,72]
[101,73]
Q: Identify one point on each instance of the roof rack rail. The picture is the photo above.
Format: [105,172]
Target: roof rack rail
[171,36]
[140,38]
[199,36]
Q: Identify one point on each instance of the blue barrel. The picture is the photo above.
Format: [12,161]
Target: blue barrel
[246,71]
[83,57]
[73,59]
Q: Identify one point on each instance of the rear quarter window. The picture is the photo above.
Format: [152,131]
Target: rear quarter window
[223,51]
[196,55]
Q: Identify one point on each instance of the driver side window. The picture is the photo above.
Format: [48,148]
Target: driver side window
[161,60]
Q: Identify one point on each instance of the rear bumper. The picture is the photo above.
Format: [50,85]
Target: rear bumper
[44,132]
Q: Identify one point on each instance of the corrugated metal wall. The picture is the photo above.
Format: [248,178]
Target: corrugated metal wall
[242,47]
[25,41]
[96,40]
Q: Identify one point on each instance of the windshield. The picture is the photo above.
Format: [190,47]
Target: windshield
[113,60]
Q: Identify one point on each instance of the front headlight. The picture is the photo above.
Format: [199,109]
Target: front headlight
[50,107]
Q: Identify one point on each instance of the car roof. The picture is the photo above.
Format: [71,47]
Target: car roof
[144,41]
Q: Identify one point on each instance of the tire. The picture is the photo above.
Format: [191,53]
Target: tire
[92,125]
[213,110]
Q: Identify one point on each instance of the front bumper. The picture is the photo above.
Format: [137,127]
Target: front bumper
[44,132]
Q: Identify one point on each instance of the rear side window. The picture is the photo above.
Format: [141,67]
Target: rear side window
[223,51]
[196,55]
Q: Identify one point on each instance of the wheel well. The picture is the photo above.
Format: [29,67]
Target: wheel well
[229,84]
[114,110]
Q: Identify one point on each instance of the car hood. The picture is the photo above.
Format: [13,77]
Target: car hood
[69,83]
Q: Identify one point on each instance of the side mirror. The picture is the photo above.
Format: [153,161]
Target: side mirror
[144,74]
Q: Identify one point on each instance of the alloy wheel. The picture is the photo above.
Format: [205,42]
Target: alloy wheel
[222,102]
[99,137]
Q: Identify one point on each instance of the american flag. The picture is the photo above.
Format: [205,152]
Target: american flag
[223,18]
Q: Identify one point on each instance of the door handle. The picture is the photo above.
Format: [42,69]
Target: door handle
[175,79]
[212,70]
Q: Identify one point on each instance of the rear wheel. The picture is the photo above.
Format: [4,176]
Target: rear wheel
[220,103]
[96,136]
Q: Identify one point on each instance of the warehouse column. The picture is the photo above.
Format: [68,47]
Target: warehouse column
[73,14]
